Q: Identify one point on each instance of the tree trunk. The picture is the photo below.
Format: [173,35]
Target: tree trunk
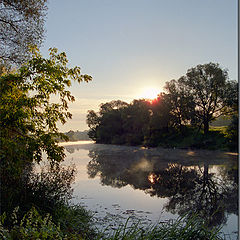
[206,127]
[205,172]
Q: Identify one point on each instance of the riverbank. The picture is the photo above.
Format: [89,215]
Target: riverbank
[140,168]
[189,155]
[76,225]
[217,138]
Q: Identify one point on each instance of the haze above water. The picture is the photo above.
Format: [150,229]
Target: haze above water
[118,182]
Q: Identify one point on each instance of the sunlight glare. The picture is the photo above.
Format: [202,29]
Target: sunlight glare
[149,93]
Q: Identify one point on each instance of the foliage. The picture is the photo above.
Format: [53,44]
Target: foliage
[49,188]
[174,118]
[29,116]
[31,226]
[232,133]
[107,123]
[181,104]
[33,100]
[22,25]
[210,91]
[75,220]
[118,122]
[34,225]
[136,119]
[153,126]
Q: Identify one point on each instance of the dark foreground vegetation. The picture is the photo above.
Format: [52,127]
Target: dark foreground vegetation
[36,226]
[35,197]
[179,117]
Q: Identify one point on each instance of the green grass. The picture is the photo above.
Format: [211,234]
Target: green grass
[214,140]
[75,221]
[218,128]
[184,228]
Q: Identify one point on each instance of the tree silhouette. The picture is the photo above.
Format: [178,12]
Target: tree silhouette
[210,90]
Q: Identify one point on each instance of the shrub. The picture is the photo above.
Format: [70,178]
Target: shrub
[73,222]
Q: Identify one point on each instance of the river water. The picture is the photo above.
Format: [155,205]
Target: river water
[119,182]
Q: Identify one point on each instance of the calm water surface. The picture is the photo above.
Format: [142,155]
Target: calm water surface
[151,185]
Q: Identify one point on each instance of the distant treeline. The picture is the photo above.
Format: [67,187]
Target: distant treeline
[222,121]
[77,136]
[179,117]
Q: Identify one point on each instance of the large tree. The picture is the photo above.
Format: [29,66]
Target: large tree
[106,125]
[181,102]
[118,122]
[29,116]
[136,119]
[211,91]
[21,26]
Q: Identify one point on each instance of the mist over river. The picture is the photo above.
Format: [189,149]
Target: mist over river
[151,185]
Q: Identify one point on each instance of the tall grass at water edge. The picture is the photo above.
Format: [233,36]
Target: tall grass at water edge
[35,226]
[184,228]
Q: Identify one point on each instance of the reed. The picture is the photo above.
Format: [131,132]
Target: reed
[184,228]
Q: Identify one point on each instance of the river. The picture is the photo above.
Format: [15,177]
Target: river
[151,185]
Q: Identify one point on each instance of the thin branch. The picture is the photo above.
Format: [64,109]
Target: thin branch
[11,24]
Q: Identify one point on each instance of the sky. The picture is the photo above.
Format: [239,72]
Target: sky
[131,46]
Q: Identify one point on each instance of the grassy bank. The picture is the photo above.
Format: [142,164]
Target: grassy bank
[67,222]
[76,223]
[217,139]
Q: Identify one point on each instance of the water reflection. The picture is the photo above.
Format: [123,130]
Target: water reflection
[196,190]
[210,190]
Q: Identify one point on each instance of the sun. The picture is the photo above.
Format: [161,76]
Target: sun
[149,93]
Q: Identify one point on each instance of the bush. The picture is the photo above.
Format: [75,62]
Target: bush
[31,226]
[72,223]
[45,190]
[232,133]
[75,220]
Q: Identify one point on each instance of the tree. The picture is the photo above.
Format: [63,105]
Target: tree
[136,119]
[106,125]
[210,90]
[29,116]
[181,102]
[109,106]
[110,128]
[118,122]
[21,26]
[159,121]
[92,122]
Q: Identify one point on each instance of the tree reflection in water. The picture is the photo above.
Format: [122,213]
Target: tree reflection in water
[190,189]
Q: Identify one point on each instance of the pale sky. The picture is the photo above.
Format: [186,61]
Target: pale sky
[128,46]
